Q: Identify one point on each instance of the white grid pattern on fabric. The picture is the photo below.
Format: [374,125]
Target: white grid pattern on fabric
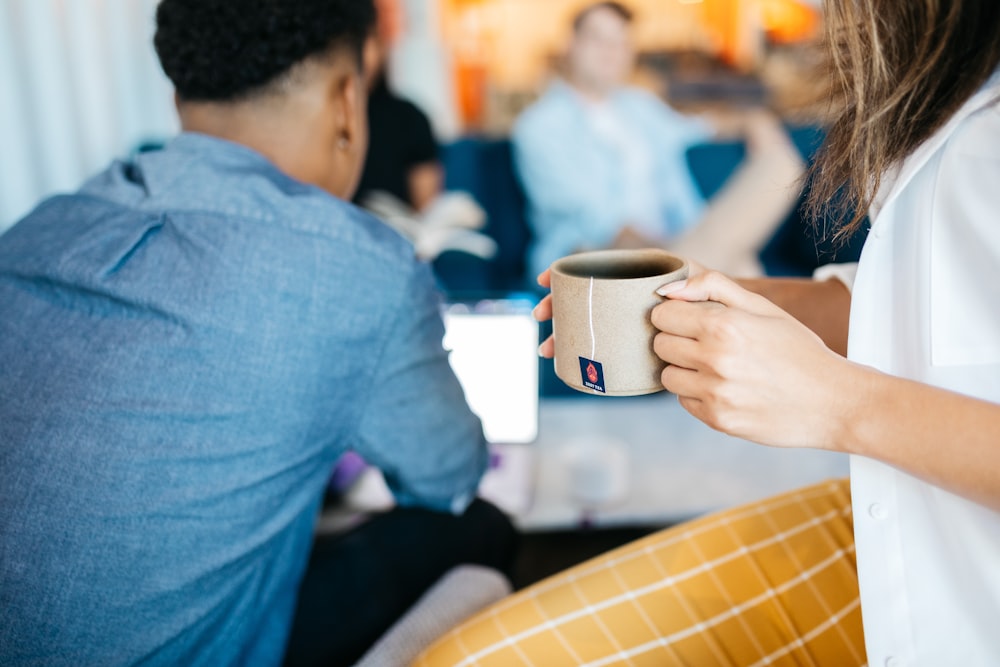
[800,642]
[729,599]
[668,581]
[725,616]
[517,649]
[767,506]
[552,626]
[717,650]
[594,613]
[817,593]
[639,608]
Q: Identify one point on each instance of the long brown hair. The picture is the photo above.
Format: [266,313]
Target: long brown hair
[899,69]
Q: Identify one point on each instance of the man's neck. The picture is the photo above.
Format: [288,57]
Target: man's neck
[263,129]
[589,93]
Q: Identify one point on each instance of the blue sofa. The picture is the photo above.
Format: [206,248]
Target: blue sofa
[485,169]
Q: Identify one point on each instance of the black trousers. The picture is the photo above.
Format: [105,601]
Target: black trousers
[359,583]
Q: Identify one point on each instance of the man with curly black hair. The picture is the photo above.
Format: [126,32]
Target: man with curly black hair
[187,345]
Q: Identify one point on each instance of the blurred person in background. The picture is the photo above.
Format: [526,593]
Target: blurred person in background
[402,157]
[187,345]
[403,179]
[604,166]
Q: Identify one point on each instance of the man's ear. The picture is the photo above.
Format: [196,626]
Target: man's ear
[346,129]
[347,95]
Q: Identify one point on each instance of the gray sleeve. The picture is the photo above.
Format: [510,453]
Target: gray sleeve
[416,426]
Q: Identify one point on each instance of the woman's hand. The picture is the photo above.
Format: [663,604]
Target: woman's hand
[747,368]
[543,313]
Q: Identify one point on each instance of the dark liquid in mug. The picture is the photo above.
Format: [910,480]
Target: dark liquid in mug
[620,270]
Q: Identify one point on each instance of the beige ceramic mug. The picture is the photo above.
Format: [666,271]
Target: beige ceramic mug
[601,306]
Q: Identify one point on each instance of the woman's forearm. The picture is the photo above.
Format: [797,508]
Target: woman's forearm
[753,371]
[947,439]
[823,306]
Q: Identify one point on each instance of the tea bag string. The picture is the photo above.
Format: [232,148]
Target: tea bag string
[590,319]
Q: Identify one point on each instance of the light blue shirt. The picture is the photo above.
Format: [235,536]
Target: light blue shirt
[186,347]
[575,178]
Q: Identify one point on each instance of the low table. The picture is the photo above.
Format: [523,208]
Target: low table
[677,466]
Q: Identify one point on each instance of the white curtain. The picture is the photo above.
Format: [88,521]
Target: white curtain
[420,67]
[79,86]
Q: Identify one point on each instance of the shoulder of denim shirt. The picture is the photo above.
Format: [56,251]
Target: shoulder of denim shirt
[198,174]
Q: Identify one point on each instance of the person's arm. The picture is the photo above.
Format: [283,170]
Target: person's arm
[629,238]
[755,372]
[947,439]
[416,426]
[670,135]
[742,217]
[822,305]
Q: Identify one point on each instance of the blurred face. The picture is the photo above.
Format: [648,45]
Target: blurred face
[601,56]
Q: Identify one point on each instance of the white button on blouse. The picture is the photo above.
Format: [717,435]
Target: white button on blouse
[877,511]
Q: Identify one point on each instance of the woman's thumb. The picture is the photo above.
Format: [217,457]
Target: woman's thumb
[713,286]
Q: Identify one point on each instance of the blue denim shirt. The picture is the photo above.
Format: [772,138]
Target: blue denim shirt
[574,180]
[186,346]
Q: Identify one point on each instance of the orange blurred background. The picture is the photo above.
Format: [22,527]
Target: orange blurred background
[510,45]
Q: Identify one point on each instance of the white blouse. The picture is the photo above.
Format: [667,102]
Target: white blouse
[926,306]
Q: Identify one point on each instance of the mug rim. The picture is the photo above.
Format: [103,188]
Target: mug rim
[557,267]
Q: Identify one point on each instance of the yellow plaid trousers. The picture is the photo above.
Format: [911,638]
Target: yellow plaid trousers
[771,583]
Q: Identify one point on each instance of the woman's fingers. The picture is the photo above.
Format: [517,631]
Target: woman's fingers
[713,286]
[690,319]
[698,409]
[684,382]
[695,269]
[543,311]
[677,350]
[548,348]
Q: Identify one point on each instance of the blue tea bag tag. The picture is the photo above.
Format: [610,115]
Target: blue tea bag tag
[592,374]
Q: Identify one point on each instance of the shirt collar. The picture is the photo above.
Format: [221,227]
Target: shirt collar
[216,149]
[898,177]
[191,159]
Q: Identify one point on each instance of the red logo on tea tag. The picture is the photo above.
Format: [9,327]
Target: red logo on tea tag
[592,375]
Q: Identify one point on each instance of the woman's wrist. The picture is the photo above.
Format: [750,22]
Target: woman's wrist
[853,408]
